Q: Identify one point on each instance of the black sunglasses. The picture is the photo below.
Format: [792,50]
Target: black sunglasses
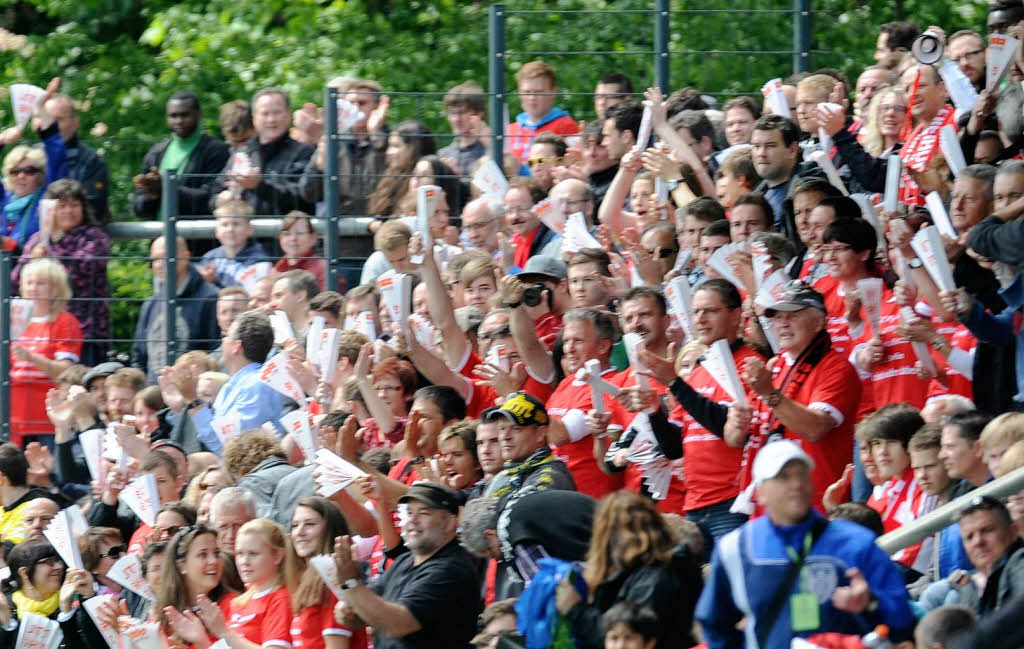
[115,552]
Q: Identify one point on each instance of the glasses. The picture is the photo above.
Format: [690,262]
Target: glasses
[835,250]
[541,160]
[49,561]
[571,203]
[968,55]
[665,253]
[387,388]
[25,171]
[119,550]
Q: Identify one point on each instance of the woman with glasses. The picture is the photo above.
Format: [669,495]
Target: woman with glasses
[298,240]
[27,171]
[316,522]
[262,615]
[40,585]
[387,391]
[192,573]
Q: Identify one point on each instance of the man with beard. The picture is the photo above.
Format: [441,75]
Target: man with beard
[410,605]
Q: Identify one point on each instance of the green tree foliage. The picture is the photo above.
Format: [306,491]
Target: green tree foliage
[121,59]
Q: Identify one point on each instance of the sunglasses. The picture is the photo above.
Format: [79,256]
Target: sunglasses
[536,161]
[49,561]
[25,171]
[664,253]
[115,552]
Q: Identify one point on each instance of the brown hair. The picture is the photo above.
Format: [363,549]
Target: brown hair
[329,301]
[235,117]
[927,438]
[89,544]
[628,530]
[748,104]
[531,186]
[468,95]
[475,269]
[391,235]
[740,164]
[311,590]
[349,344]
[245,451]
[537,70]
[151,397]
[403,370]
[592,255]
[127,377]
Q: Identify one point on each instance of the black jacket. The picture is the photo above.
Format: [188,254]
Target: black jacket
[802,170]
[209,158]
[281,164]
[671,591]
[87,167]
[79,630]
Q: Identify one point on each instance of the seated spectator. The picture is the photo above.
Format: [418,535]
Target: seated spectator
[465,109]
[538,87]
[298,240]
[409,142]
[237,251]
[27,171]
[497,621]
[195,156]
[391,252]
[16,494]
[82,249]
[245,349]
[546,152]
[51,343]
[529,235]
[628,624]
[611,90]
[170,518]
[230,509]
[235,121]
[999,435]
[270,184]
[257,462]
[996,552]
[85,165]
[121,388]
[858,513]
[196,320]
[38,514]
[938,627]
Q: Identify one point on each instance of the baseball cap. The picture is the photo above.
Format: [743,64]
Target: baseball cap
[521,409]
[776,455]
[102,370]
[542,267]
[796,296]
[434,495]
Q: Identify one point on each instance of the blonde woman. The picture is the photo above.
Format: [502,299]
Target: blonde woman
[50,344]
[886,116]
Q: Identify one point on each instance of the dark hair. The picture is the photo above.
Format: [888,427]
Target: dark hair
[893,421]
[335,419]
[790,131]
[311,590]
[986,504]
[448,180]
[592,255]
[186,96]
[717,229]
[705,209]
[940,625]
[155,459]
[13,464]
[684,99]
[857,233]
[553,139]
[844,207]
[901,34]
[748,104]
[757,199]
[67,188]
[468,95]
[300,280]
[860,514]
[968,424]
[740,164]
[696,122]
[153,549]
[254,331]
[649,292]
[448,400]
[27,555]
[89,544]
[928,437]
[626,116]
[329,301]
[621,80]
[724,288]
[636,618]
[185,511]
[814,184]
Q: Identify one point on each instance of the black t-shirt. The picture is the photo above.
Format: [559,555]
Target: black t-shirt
[442,593]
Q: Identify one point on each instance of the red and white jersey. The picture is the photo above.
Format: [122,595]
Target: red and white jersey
[264,618]
[571,401]
[955,373]
[713,468]
[899,500]
[835,306]
[314,623]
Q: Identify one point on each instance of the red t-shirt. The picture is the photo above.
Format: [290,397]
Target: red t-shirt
[58,339]
[573,395]
[137,544]
[831,386]
[712,466]
[318,267]
[894,379]
[548,327]
[522,244]
[835,305]
[520,137]
[898,501]
[264,618]
[314,623]
[482,397]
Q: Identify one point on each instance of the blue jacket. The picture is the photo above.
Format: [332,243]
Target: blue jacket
[1004,328]
[749,565]
[56,168]
[245,395]
[228,268]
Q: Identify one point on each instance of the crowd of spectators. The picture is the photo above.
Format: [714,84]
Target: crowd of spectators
[660,376]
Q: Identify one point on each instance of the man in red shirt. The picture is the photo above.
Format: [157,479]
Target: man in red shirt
[588,334]
[529,235]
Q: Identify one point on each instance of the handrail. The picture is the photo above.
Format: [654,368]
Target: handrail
[203,228]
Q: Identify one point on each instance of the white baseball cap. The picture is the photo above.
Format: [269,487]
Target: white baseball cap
[776,455]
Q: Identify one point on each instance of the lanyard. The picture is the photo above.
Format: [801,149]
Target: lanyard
[799,558]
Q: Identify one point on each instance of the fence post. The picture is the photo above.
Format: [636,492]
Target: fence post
[332,197]
[801,36]
[661,27]
[169,200]
[5,345]
[496,59]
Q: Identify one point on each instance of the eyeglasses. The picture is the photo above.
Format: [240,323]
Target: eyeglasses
[118,550]
[25,171]
[387,388]
[570,203]
[49,561]
[541,160]
[968,55]
[664,253]
[836,249]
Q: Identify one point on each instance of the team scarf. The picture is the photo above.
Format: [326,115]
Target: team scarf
[919,149]
[514,476]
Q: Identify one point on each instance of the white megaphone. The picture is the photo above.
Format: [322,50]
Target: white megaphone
[928,48]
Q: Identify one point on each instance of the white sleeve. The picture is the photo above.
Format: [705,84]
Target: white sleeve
[575,422]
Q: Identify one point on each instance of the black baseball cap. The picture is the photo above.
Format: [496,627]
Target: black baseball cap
[434,495]
[797,296]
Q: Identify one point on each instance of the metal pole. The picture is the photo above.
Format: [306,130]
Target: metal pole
[496,59]
[801,35]
[944,516]
[5,345]
[332,196]
[661,32]
[170,210]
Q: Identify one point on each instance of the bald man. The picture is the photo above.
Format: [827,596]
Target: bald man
[38,514]
[196,321]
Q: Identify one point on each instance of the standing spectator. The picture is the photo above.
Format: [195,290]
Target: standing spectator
[235,123]
[529,235]
[298,239]
[51,343]
[292,293]
[85,165]
[409,142]
[755,569]
[271,184]
[633,558]
[16,496]
[740,115]
[188,152]
[599,166]
[237,251]
[777,160]
[966,48]
[465,109]
[610,91]
[546,152]
[255,459]
[82,249]
[196,321]
[410,605]
[538,86]
[894,41]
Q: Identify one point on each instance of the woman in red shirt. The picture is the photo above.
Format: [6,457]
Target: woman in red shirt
[316,522]
[192,573]
[50,343]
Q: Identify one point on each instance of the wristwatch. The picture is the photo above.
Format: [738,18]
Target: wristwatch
[939,343]
[351,583]
[773,398]
[915,262]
